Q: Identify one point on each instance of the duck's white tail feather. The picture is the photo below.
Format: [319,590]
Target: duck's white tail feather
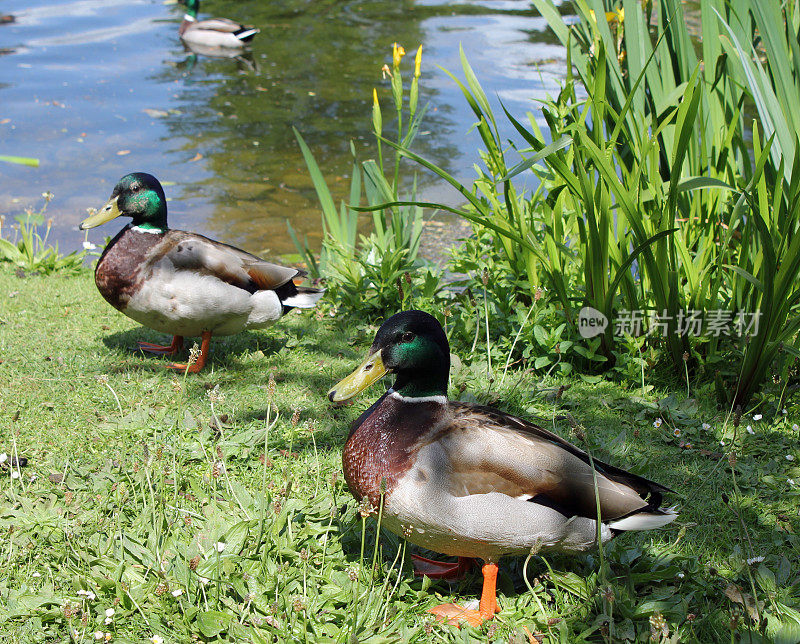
[305,299]
[644,520]
[249,33]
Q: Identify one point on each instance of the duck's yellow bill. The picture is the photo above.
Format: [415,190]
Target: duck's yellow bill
[106,213]
[369,371]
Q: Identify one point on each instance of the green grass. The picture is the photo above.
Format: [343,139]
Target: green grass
[133,478]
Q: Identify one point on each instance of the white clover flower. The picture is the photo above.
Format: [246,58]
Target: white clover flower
[110,612]
[107,621]
[219,546]
[177,593]
[98,635]
[757,417]
[750,430]
[789,457]
[754,560]
[706,426]
[657,423]
[4,456]
[14,474]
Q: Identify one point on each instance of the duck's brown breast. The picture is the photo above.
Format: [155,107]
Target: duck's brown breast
[123,265]
[384,445]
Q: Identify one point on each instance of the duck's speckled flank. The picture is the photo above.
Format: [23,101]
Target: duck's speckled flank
[383,444]
[118,273]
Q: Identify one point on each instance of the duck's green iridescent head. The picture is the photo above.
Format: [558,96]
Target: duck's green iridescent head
[412,345]
[137,195]
[192,7]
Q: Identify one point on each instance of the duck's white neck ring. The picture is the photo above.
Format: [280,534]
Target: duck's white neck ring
[442,400]
[152,231]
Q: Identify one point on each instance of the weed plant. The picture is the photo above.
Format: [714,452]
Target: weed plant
[29,249]
[378,272]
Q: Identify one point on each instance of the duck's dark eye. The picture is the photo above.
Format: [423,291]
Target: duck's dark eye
[408,336]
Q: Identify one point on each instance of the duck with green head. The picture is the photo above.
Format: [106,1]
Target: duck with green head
[183,283]
[213,32]
[471,481]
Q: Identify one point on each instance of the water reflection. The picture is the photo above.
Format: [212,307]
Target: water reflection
[98,89]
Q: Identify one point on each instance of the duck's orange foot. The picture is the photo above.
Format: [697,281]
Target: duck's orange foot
[160,349]
[195,367]
[441,569]
[454,615]
[200,362]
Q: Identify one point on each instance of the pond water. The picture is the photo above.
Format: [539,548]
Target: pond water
[98,88]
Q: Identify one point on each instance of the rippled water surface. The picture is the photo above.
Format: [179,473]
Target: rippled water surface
[99,88]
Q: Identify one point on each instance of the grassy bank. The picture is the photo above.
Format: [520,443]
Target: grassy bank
[212,506]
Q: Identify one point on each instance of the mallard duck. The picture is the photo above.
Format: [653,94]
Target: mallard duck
[214,32]
[472,481]
[183,283]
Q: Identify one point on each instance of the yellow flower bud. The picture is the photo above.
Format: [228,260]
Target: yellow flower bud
[397,54]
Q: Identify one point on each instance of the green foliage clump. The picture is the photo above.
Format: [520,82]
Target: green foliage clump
[30,250]
[374,274]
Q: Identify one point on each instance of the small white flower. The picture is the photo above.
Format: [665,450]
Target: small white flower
[177,593]
[98,635]
[110,612]
[722,443]
[790,482]
[14,474]
[784,412]
[4,456]
[789,457]
[88,593]
[750,430]
[107,621]
[754,560]
[657,423]
[36,574]
[219,546]
[157,639]
[87,245]
[757,417]
[706,426]
[681,575]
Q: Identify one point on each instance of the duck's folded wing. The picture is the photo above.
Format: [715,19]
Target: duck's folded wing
[493,452]
[189,251]
[218,24]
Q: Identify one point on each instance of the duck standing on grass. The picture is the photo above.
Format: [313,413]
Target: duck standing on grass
[472,481]
[213,32]
[182,283]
